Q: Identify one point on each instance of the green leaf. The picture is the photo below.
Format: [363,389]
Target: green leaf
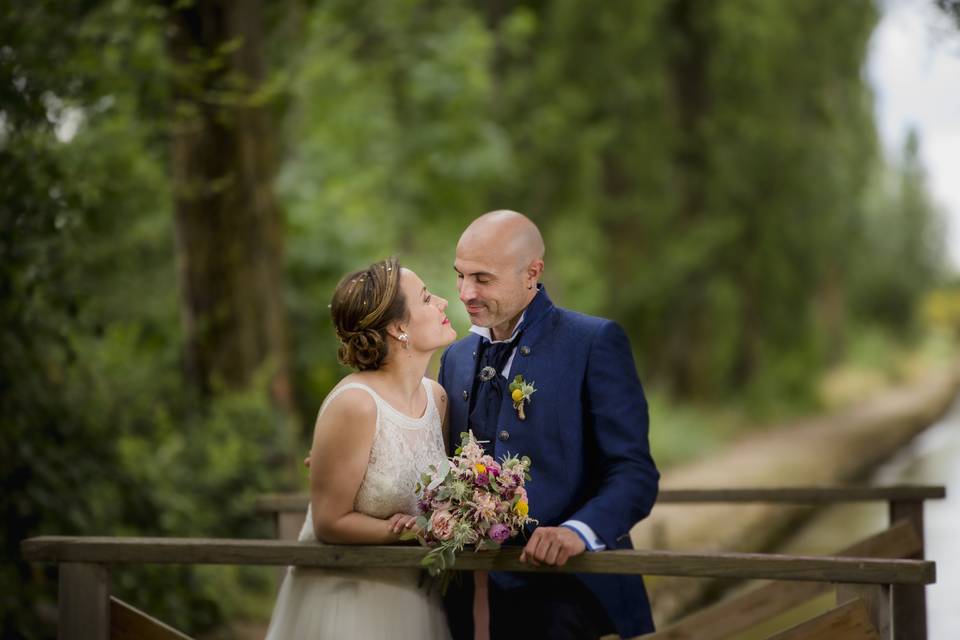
[488,545]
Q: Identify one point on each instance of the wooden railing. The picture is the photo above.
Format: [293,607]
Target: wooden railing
[905,501]
[903,540]
[863,591]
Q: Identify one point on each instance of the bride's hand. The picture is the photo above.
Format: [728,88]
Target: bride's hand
[400,522]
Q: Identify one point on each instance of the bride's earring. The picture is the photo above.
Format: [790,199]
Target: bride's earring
[405,340]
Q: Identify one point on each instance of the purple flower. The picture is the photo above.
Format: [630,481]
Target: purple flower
[482,480]
[499,532]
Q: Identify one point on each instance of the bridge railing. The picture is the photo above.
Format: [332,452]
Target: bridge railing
[863,584]
[904,505]
[904,501]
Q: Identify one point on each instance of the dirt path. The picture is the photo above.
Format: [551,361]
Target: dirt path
[830,450]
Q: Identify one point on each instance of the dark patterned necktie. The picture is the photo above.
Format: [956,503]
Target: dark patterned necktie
[489,388]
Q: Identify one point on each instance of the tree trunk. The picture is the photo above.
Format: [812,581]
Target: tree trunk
[684,349]
[228,223]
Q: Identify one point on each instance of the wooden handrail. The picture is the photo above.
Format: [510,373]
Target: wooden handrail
[297,502]
[805,495]
[102,550]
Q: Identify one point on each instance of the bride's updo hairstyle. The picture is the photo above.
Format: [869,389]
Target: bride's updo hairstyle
[364,304]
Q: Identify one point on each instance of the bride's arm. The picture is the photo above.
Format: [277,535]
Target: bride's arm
[342,439]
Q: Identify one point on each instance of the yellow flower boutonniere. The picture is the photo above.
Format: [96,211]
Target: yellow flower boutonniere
[520,392]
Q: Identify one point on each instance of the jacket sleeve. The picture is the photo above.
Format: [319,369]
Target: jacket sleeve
[618,424]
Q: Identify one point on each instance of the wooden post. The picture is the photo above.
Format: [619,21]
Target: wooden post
[877,599]
[909,601]
[289,525]
[84,602]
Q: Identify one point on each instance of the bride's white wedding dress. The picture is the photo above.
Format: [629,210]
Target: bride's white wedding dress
[370,603]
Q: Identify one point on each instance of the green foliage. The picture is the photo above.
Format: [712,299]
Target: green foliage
[98,434]
[904,233]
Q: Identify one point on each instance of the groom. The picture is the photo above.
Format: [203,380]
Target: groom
[585,429]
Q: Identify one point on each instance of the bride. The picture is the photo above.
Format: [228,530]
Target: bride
[375,432]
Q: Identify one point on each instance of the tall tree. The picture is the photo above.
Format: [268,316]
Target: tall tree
[228,222]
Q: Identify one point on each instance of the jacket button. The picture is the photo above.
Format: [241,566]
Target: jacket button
[466,394]
[524,350]
[504,435]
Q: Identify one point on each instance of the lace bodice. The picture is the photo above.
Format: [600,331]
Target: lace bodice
[403,447]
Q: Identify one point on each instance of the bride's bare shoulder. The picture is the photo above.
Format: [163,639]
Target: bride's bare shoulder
[439,394]
[354,405]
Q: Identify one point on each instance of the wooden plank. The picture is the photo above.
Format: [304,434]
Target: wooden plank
[850,621]
[84,602]
[804,495]
[745,610]
[876,597]
[741,612]
[281,502]
[654,563]
[129,623]
[297,502]
[909,602]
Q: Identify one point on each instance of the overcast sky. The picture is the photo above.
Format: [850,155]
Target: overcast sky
[914,67]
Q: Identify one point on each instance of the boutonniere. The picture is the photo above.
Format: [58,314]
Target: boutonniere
[520,392]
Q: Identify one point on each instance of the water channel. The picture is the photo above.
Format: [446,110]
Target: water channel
[932,458]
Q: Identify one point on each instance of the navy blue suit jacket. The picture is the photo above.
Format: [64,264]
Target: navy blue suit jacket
[585,432]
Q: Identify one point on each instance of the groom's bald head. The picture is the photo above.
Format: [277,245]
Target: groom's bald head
[499,262]
[507,236]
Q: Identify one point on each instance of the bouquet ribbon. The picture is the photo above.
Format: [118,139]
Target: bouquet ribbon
[481,606]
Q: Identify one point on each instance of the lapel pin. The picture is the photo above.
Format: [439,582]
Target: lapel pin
[487,374]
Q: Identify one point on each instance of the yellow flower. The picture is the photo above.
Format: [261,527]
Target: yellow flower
[517,395]
[521,508]
[479,468]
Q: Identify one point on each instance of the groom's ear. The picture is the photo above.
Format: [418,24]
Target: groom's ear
[535,270]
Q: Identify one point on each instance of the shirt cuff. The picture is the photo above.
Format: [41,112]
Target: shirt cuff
[586,534]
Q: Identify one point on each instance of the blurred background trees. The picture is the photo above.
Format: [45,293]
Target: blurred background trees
[182,184]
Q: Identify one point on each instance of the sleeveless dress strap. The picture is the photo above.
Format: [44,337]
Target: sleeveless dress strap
[430,407]
[350,385]
[431,401]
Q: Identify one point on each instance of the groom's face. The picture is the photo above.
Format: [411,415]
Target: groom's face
[491,286]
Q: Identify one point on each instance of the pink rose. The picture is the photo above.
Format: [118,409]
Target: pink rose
[441,525]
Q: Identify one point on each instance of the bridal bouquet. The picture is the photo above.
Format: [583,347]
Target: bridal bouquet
[471,499]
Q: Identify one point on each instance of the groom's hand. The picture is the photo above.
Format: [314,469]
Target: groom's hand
[552,545]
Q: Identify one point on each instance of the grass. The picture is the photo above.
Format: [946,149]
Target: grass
[874,361]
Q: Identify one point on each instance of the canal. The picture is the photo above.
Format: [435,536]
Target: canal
[931,458]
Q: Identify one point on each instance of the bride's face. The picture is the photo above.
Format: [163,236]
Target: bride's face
[427,326]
